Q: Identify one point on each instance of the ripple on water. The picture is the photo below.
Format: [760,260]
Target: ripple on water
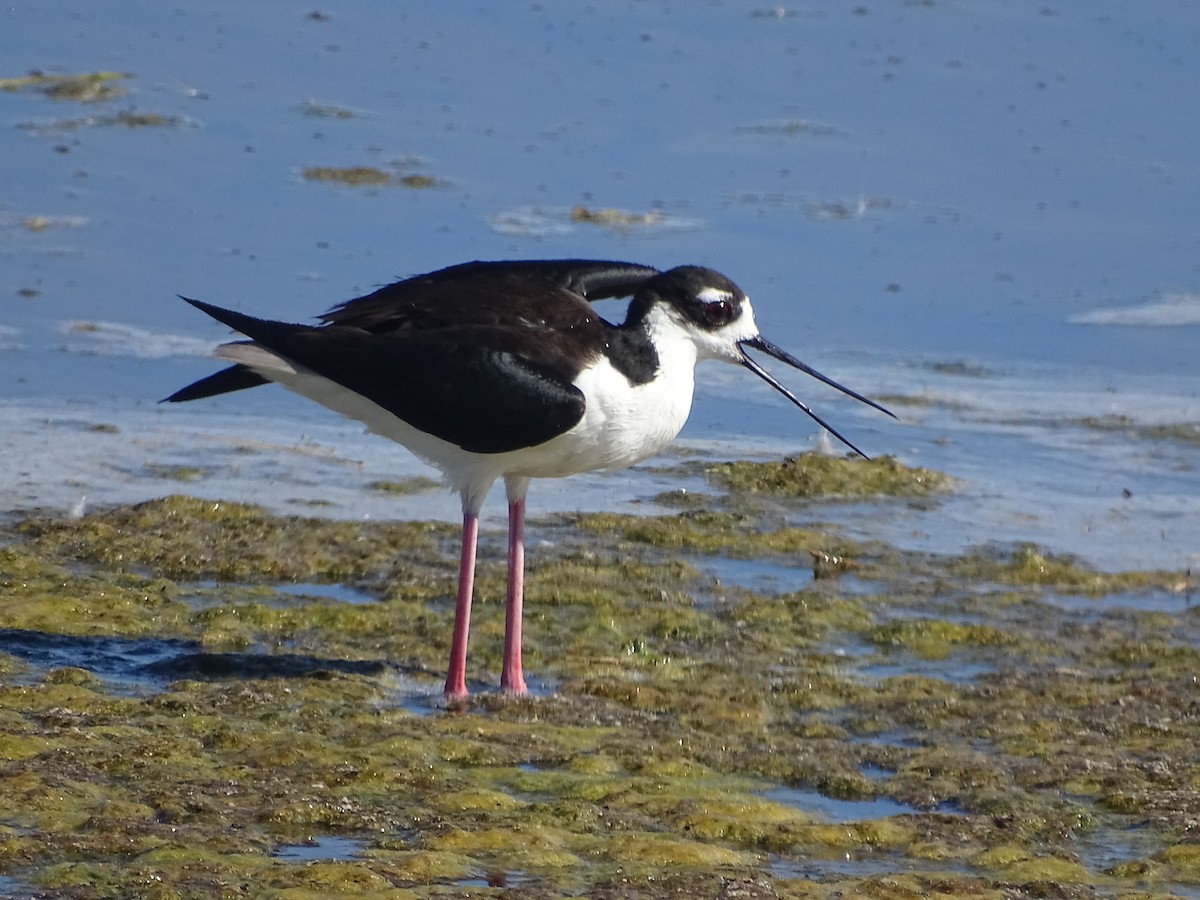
[341,592]
[858,866]
[756,574]
[1152,600]
[15,889]
[954,671]
[321,848]
[494,880]
[831,809]
[208,593]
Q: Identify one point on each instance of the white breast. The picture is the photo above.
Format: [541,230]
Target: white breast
[621,425]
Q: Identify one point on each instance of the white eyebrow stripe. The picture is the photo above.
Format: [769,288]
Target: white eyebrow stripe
[712,295]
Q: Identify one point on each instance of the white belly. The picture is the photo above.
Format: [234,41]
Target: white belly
[621,425]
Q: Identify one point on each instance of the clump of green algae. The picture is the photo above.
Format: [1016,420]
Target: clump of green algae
[128,118]
[819,475]
[353,175]
[680,703]
[369,176]
[1182,432]
[314,110]
[89,87]
[415,485]
[617,219]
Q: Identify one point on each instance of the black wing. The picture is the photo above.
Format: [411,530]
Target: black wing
[594,279]
[492,293]
[469,388]
[473,293]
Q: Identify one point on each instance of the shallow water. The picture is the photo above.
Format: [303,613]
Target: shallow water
[932,203]
[835,810]
[125,665]
[338,592]
[321,847]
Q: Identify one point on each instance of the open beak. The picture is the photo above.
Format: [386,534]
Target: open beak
[761,343]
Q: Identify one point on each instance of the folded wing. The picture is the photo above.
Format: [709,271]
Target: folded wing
[553,294]
[467,388]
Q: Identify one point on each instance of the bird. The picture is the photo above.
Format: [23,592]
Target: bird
[504,370]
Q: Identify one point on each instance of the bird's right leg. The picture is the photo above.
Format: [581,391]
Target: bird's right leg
[456,673]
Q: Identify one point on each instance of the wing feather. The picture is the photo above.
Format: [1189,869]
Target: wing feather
[470,388]
[552,295]
[550,292]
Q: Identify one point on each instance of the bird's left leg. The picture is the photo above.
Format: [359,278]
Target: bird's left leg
[511,678]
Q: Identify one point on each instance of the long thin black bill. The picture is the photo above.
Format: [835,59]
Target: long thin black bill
[761,343]
[766,346]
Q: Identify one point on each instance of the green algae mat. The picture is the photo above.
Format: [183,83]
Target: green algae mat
[203,699]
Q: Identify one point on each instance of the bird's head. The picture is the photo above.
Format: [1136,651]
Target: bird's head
[716,315]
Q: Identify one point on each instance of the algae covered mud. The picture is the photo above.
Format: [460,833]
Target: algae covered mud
[253,708]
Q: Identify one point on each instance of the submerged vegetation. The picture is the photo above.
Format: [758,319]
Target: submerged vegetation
[127,118]
[818,475]
[1182,432]
[89,87]
[618,219]
[369,176]
[177,724]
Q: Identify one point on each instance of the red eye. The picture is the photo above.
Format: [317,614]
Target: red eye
[718,312]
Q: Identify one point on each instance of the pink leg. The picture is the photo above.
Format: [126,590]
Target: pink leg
[511,678]
[456,674]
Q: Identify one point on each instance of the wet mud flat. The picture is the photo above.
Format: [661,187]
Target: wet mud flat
[205,699]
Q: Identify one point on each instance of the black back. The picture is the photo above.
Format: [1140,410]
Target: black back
[481,354]
[491,293]
[521,293]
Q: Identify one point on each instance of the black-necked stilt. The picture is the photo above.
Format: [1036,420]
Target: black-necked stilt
[503,370]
